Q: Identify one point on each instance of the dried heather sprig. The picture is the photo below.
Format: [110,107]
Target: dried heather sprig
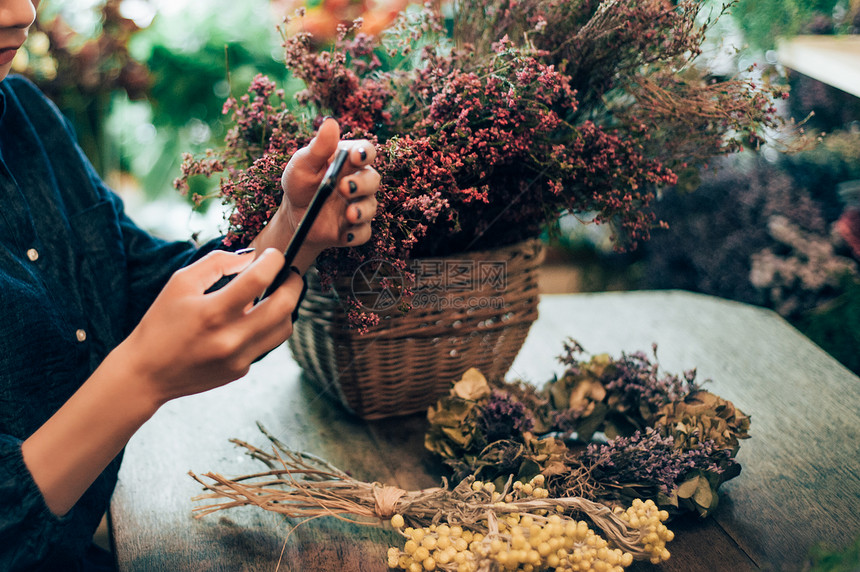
[649,459]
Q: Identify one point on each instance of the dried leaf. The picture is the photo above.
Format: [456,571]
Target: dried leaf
[702,416]
[585,394]
[704,496]
[456,435]
[587,426]
[472,386]
[598,365]
[450,412]
[688,488]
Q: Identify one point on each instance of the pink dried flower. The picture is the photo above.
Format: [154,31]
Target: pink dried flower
[532,109]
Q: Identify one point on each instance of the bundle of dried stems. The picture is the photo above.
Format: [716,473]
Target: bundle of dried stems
[299,485]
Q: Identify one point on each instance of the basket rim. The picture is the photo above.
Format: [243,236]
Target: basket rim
[486,300]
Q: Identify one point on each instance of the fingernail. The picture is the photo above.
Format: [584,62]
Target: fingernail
[352,187]
[350,237]
[362,152]
[245,251]
[357,213]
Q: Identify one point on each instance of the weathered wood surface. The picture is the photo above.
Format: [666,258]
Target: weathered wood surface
[800,482]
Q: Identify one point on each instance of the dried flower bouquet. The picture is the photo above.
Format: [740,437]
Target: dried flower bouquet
[663,437]
[525,471]
[481,527]
[494,120]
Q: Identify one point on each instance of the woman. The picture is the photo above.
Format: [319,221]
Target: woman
[102,323]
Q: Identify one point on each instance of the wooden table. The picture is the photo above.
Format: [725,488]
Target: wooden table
[834,60]
[800,482]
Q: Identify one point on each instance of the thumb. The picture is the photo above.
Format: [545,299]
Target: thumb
[324,145]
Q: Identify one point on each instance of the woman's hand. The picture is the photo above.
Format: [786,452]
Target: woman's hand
[190,341]
[345,218]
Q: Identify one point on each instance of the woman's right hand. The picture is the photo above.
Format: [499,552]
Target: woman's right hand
[190,341]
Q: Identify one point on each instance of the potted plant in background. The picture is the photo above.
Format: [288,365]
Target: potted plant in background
[491,121]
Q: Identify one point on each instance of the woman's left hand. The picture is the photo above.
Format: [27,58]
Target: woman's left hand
[345,218]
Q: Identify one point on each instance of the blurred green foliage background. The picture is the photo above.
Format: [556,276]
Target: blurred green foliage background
[144,81]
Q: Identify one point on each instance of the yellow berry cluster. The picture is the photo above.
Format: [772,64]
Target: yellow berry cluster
[532,489]
[529,542]
[436,547]
[648,518]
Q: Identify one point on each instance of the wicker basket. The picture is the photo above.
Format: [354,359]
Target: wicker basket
[470,310]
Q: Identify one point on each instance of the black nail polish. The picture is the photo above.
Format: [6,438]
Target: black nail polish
[352,187]
[357,213]
[362,153]
[350,237]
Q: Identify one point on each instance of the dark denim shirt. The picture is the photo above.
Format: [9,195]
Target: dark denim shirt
[76,275]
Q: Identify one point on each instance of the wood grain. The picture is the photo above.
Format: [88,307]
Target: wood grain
[801,469]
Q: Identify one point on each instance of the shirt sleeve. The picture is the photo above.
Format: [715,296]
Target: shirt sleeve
[152,261]
[34,539]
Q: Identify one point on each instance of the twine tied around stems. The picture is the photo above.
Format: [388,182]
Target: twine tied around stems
[386,498]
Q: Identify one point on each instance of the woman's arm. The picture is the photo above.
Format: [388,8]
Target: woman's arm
[189,341]
[186,343]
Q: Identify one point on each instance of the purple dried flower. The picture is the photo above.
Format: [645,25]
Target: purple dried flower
[638,385]
[503,417]
[566,421]
[652,460]
[572,348]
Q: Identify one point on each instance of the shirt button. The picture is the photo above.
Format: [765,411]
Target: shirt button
[33,254]
[81,334]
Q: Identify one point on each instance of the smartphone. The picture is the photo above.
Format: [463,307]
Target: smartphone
[327,186]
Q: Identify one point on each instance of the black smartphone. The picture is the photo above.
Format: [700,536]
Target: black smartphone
[327,186]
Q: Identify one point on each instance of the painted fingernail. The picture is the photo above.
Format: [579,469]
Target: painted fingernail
[245,251]
[352,187]
[362,152]
[357,213]
[350,237]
